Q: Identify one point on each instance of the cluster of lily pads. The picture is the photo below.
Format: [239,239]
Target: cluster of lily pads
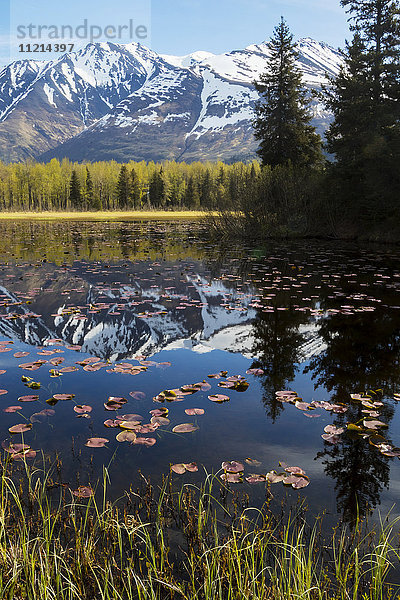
[290,397]
[295,477]
[368,427]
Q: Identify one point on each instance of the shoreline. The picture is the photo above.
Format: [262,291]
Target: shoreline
[114,215]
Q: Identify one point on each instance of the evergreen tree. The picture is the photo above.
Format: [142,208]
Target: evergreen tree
[134,190]
[75,196]
[206,191]
[89,192]
[282,116]
[192,198]
[157,188]
[123,188]
[365,100]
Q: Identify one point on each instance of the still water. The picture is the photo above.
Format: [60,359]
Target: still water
[129,310]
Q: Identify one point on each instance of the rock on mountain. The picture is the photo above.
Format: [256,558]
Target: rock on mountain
[114,101]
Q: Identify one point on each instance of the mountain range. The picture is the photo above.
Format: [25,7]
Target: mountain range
[126,102]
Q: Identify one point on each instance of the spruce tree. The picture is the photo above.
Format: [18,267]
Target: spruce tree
[134,190]
[75,196]
[282,123]
[123,188]
[157,188]
[89,192]
[365,100]
[192,198]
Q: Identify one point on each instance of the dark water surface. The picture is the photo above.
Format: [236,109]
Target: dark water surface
[319,319]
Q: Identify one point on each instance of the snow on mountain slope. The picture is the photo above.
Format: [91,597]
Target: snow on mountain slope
[144,105]
[223,103]
[189,60]
[15,81]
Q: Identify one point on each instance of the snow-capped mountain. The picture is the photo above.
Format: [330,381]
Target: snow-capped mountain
[127,102]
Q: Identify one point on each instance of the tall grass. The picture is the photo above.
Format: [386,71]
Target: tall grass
[193,543]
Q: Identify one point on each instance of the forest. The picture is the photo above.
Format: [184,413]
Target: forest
[109,185]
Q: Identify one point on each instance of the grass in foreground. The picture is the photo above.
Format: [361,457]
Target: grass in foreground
[112,215]
[198,543]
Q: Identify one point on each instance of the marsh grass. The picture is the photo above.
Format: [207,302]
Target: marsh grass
[193,543]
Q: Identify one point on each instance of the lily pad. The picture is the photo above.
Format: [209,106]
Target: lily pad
[63,396]
[232,466]
[20,428]
[219,398]
[29,398]
[274,477]
[83,491]
[254,478]
[96,442]
[82,408]
[145,441]
[232,477]
[126,436]
[185,428]
[255,372]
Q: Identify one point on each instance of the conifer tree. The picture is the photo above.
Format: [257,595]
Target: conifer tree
[282,123]
[134,189]
[123,188]
[157,188]
[365,100]
[75,196]
[192,198]
[89,192]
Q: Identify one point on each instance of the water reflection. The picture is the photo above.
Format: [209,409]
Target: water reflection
[361,353]
[300,313]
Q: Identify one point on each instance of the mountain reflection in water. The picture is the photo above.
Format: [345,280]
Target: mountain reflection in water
[317,319]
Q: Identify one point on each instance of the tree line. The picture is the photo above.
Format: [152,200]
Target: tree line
[64,185]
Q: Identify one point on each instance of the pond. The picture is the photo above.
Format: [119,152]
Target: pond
[110,317]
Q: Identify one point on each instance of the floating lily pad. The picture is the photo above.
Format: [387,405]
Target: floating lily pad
[254,478]
[185,428]
[20,428]
[112,423]
[181,468]
[12,409]
[331,438]
[219,398]
[160,421]
[333,430]
[129,425]
[374,424]
[194,411]
[96,442]
[274,477]
[145,441]
[232,477]
[255,372]
[29,398]
[126,436]
[63,396]
[82,408]
[159,412]
[232,466]
[83,491]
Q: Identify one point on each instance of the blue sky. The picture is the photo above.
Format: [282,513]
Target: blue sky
[181,26]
